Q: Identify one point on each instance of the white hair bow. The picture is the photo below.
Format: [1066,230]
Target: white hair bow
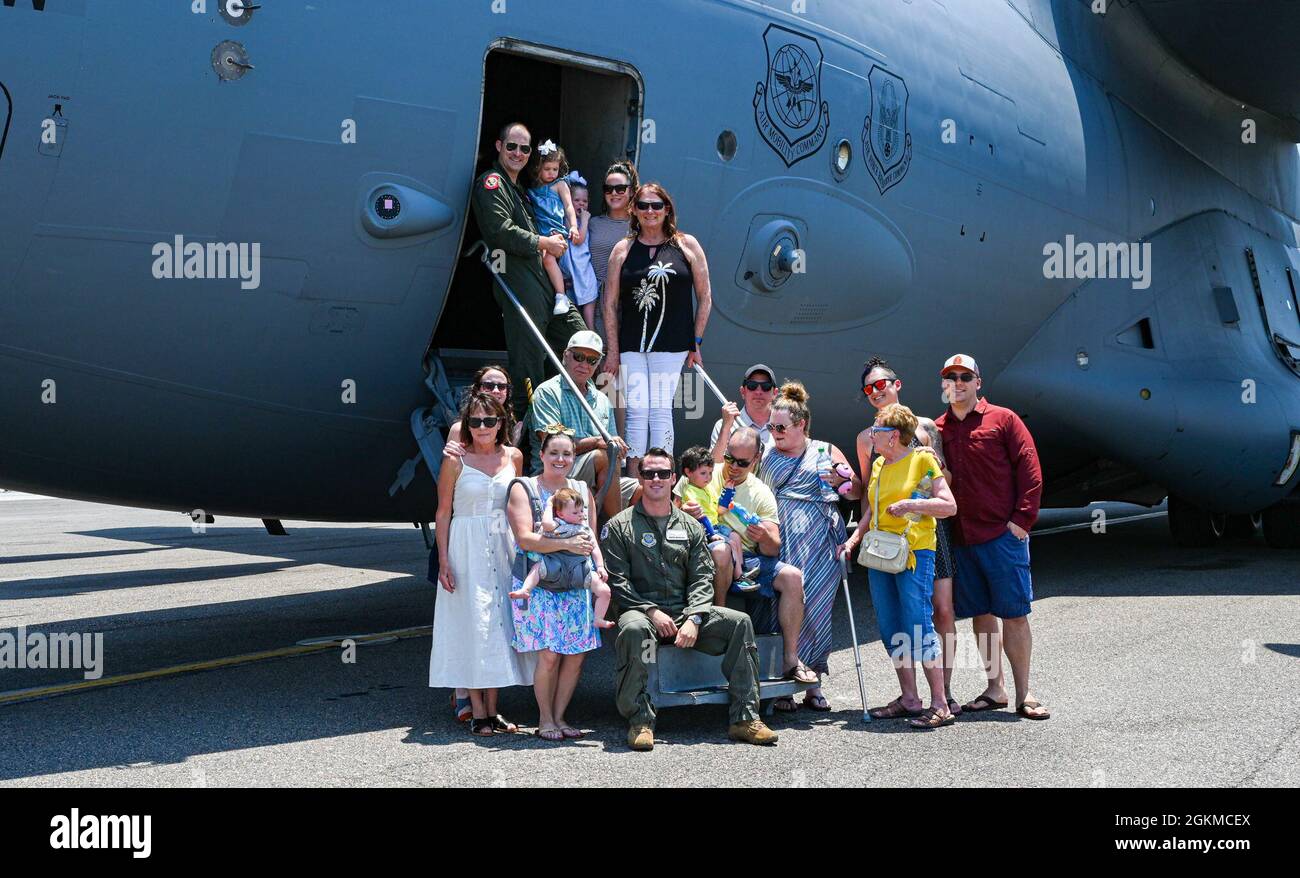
[575,179]
[547,148]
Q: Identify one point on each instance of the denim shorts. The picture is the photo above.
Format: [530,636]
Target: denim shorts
[768,567]
[993,578]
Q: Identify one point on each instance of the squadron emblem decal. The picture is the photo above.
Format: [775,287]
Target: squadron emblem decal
[886,142]
[788,109]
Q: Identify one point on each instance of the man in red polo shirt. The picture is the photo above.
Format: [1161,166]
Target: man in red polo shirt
[997,483]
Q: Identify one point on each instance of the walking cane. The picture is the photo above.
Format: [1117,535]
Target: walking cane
[709,381]
[612,471]
[853,632]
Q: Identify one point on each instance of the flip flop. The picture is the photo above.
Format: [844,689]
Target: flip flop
[930,719]
[817,703]
[894,710]
[549,734]
[571,732]
[954,707]
[800,673]
[983,703]
[785,704]
[1032,705]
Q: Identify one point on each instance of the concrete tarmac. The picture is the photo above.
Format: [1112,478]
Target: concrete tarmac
[1162,666]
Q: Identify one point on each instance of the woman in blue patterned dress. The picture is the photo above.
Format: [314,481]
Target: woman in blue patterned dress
[557,625]
[808,479]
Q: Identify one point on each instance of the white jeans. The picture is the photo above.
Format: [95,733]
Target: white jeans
[650,383]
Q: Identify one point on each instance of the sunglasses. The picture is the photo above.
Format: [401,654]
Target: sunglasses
[651,475]
[524,148]
[880,384]
[779,429]
[583,358]
[616,188]
[963,377]
[649,205]
[760,385]
[478,423]
[494,385]
[741,462]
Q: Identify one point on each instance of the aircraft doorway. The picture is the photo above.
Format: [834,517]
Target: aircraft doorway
[591,108]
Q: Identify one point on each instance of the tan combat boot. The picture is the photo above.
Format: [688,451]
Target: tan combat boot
[752,732]
[641,737]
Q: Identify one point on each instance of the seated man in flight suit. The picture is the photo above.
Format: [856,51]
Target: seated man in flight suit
[661,574]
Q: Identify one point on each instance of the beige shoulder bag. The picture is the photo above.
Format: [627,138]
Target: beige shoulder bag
[882,550]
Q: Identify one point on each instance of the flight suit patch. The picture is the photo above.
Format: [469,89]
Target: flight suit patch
[648,540]
[492,181]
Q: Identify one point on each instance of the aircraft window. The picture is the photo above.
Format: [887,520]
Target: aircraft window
[841,159]
[727,145]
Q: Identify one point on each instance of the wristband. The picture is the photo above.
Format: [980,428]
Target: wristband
[699,340]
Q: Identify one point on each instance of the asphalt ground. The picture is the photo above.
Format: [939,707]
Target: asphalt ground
[1162,667]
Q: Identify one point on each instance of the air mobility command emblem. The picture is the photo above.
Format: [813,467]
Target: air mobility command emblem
[788,108]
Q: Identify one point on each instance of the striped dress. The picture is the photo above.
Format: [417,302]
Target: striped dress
[811,530]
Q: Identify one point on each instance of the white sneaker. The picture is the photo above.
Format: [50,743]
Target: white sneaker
[561,304]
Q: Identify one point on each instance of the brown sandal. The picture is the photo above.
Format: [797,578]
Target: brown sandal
[931,719]
[894,710]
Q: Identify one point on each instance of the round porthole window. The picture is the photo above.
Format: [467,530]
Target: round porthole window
[841,159]
[727,145]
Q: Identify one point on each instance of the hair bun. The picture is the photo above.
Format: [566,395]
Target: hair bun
[794,391]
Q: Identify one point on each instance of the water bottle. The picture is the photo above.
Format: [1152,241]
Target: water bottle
[824,467]
[922,492]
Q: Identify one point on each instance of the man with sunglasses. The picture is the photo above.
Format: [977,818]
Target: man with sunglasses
[757,392]
[661,574]
[501,208]
[997,483]
[554,403]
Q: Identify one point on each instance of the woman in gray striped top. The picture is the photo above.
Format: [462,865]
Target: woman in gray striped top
[603,232]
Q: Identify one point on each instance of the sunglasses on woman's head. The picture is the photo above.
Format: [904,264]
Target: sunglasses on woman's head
[651,475]
[879,384]
[649,205]
[479,423]
[493,385]
[616,188]
[764,386]
[524,148]
[741,462]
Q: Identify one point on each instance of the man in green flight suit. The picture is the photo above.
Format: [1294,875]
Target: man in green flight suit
[661,574]
[501,208]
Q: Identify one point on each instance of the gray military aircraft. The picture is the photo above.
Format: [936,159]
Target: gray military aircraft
[231,233]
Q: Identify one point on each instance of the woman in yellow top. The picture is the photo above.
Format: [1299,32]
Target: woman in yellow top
[913,493]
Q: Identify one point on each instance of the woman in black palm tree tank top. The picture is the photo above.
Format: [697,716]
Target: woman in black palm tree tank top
[655,317]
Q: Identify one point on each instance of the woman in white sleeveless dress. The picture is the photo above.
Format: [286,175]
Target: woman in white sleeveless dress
[472,624]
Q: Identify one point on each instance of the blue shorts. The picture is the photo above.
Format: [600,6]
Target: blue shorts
[993,579]
[768,567]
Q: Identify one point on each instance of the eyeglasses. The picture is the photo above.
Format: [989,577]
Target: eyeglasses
[741,462]
[524,148]
[477,423]
[616,188]
[649,205]
[879,384]
[493,385]
[582,358]
[764,386]
[651,475]
[963,377]
[779,429]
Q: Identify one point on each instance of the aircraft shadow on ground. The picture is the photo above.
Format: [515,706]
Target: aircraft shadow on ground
[310,703]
